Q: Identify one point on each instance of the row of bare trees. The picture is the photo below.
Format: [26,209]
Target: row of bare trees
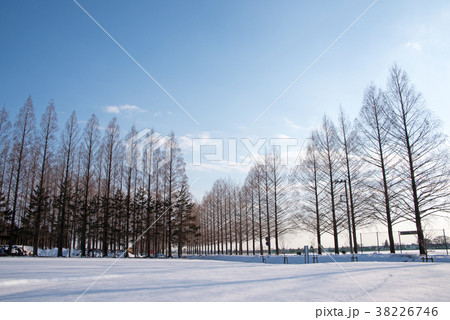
[90,189]
[393,160]
[234,219]
[387,166]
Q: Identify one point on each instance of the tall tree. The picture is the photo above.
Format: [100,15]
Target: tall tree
[69,142]
[416,132]
[256,174]
[48,128]
[90,148]
[266,185]
[131,167]
[349,143]
[110,146]
[374,125]
[175,175]
[23,135]
[277,178]
[5,127]
[308,176]
[184,222]
[327,144]
[249,185]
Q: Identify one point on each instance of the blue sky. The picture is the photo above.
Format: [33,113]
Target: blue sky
[224,61]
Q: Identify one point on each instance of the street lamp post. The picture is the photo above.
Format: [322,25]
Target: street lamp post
[348,214]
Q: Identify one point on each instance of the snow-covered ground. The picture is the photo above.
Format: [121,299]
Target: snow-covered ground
[326,258]
[208,279]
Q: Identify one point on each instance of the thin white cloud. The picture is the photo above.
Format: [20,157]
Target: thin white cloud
[112,109]
[131,108]
[283,136]
[414,45]
[125,107]
[159,113]
[185,142]
[292,124]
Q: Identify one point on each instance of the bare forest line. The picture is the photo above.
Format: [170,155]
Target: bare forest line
[86,188]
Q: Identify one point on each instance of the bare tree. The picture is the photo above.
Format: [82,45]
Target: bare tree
[156,171]
[420,142]
[148,171]
[278,191]
[48,128]
[184,222]
[327,145]
[308,176]
[90,147]
[241,203]
[250,187]
[175,174]
[255,177]
[22,137]
[68,149]
[111,141]
[5,127]
[374,125]
[131,167]
[266,185]
[350,145]
[226,212]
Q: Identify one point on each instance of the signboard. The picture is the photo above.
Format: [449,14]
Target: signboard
[404,233]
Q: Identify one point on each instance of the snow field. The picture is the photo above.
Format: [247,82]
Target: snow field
[154,280]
